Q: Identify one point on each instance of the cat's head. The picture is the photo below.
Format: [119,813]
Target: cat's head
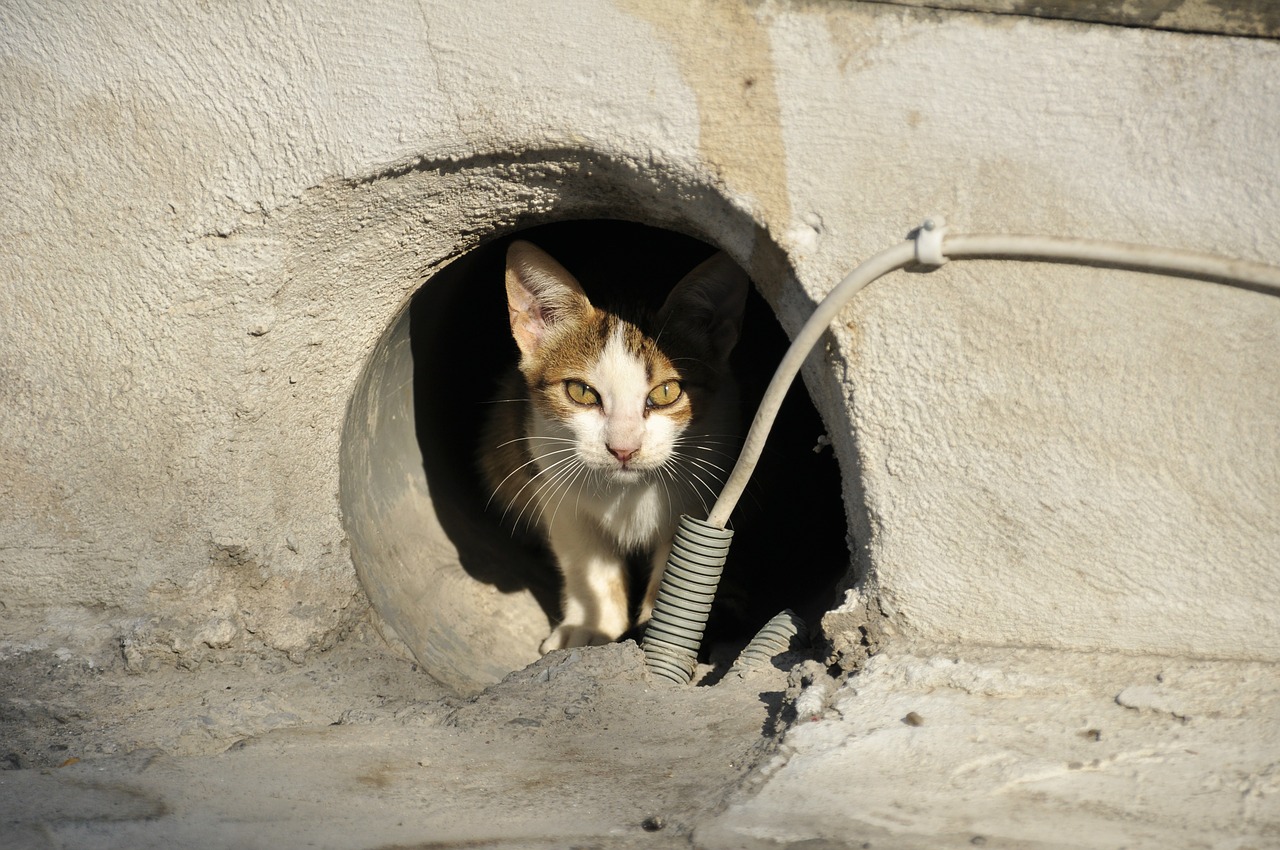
[625,392]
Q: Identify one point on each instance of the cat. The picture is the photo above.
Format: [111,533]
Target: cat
[610,428]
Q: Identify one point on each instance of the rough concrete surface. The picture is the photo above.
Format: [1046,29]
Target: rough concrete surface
[1026,749]
[217,215]
[358,749]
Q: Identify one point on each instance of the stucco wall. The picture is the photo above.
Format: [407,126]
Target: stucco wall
[212,214]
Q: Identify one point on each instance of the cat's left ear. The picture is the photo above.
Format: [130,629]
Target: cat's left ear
[540,293]
[709,301]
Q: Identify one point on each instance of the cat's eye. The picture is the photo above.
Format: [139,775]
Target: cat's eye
[581,393]
[664,394]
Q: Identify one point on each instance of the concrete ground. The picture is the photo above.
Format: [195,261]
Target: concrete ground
[354,748]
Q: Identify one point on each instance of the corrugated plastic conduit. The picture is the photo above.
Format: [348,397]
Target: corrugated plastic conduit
[674,634]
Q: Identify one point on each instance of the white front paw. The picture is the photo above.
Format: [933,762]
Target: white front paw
[568,635]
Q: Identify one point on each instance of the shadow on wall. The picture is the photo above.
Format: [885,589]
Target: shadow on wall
[790,548]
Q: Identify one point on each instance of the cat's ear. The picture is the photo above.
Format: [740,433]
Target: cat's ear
[709,302]
[540,293]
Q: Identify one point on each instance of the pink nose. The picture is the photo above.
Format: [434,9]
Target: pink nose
[623,455]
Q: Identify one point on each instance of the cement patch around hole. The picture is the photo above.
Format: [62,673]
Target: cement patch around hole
[471,603]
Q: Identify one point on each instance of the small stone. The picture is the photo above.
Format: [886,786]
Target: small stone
[653,823]
[913,719]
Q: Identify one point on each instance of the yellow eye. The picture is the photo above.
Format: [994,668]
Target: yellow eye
[664,394]
[581,393]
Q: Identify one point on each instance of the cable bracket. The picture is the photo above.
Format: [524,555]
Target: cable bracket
[928,239]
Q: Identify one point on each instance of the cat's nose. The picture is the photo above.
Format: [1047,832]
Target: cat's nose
[623,455]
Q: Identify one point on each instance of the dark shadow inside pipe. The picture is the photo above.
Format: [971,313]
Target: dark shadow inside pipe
[790,546]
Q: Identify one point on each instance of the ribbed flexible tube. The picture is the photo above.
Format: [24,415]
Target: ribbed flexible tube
[674,634]
[931,246]
[786,631]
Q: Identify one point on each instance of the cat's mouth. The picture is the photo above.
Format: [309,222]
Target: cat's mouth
[629,470]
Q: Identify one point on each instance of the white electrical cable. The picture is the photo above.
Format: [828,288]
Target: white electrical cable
[1241,274]
[881,264]
[931,246]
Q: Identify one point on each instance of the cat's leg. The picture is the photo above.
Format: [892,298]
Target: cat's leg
[594,599]
[657,568]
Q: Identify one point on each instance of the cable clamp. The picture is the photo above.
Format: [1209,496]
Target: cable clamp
[928,240]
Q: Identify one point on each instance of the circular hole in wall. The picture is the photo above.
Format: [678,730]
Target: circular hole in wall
[470,600]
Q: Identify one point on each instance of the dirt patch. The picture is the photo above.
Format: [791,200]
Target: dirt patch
[581,743]
[58,704]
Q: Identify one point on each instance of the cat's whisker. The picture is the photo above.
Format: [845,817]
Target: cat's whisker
[731,451]
[664,473]
[577,504]
[688,452]
[708,454]
[730,455]
[711,491]
[713,470]
[532,462]
[715,473]
[720,478]
[702,461]
[712,444]
[686,484]
[533,496]
[706,441]
[564,491]
[697,361]
[671,471]
[697,494]
[708,437]
[537,501]
[540,439]
[569,480]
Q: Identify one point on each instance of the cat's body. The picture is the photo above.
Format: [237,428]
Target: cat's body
[611,429]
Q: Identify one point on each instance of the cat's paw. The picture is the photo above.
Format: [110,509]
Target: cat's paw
[569,635]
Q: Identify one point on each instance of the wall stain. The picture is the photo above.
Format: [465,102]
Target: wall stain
[1259,18]
[723,51]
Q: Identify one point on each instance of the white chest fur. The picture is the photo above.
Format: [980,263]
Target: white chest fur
[635,511]
[638,517]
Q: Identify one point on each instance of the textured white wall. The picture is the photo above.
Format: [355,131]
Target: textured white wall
[1050,455]
[212,214]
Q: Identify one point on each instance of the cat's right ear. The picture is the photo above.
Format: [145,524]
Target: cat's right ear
[709,303]
[540,293]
